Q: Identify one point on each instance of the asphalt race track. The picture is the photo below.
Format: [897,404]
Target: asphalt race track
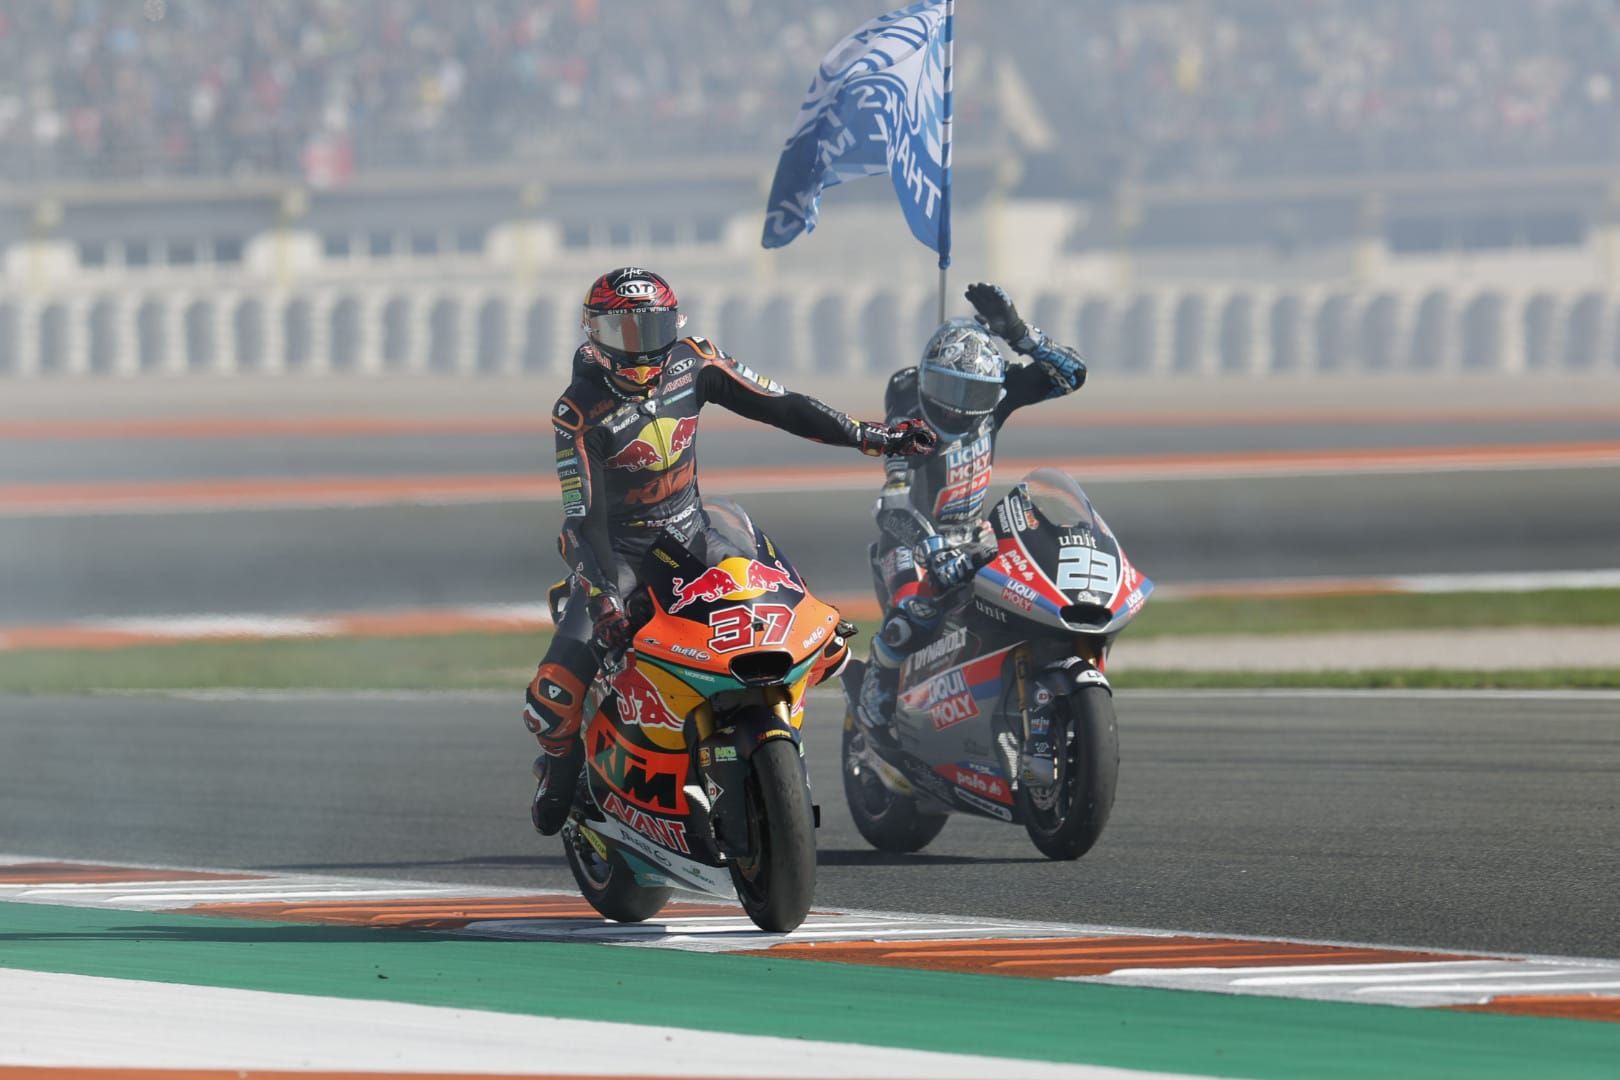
[1460,821]
[1186,530]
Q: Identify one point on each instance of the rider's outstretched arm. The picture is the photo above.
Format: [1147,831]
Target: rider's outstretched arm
[724,382]
[585,542]
[897,517]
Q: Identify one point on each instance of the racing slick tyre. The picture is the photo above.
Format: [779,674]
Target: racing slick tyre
[1066,819]
[889,822]
[778,882]
[607,882]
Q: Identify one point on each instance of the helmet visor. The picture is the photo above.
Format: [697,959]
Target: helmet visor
[964,392]
[637,331]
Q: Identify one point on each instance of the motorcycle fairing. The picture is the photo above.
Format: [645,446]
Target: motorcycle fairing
[935,718]
[1058,563]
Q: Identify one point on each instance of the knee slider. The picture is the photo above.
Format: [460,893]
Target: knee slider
[554,703]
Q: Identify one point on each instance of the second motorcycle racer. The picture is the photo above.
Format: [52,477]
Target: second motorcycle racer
[626,434]
[930,510]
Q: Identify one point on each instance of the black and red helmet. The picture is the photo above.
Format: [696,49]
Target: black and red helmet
[632,319]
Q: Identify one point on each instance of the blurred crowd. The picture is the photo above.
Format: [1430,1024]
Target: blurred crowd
[1215,89]
[1152,89]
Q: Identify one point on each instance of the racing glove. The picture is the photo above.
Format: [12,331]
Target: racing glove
[908,438]
[610,626]
[947,566]
[995,310]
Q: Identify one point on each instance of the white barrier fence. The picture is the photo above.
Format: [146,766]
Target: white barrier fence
[474,326]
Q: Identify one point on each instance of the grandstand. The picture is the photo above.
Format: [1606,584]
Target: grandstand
[1185,186]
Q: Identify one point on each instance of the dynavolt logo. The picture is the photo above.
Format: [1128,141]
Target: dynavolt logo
[659,445]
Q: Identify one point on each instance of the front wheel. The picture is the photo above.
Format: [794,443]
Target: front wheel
[777,884]
[607,882]
[889,822]
[1066,819]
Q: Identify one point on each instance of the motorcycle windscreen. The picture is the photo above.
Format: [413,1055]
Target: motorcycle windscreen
[1060,501]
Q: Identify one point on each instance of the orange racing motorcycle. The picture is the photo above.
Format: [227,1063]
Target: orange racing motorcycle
[694,773]
[1007,712]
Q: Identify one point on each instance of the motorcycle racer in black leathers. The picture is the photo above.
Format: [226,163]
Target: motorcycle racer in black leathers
[626,432]
[929,513]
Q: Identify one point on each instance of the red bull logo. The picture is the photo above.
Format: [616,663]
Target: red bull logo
[657,446]
[640,703]
[736,578]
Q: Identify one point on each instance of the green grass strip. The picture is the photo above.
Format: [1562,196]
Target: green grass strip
[1390,679]
[1408,611]
[449,662]
[505,661]
[1201,1034]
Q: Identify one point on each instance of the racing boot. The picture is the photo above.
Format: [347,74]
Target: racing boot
[558,774]
[552,710]
[875,710]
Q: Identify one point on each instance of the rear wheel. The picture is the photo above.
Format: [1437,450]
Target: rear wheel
[607,882]
[777,884]
[1066,819]
[888,821]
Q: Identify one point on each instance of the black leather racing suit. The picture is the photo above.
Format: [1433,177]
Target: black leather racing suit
[943,492]
[628,470]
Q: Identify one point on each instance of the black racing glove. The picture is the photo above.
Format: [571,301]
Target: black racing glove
[908,438]
[610,626]
[948,566]
[995,310]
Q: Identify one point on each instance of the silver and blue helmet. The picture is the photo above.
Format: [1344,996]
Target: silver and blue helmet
[959,379]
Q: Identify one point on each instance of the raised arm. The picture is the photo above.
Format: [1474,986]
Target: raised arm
[1054,370]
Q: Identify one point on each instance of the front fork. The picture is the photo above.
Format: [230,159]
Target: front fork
[1037,707]
[722,767]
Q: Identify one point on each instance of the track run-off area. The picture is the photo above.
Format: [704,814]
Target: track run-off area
[1348,884]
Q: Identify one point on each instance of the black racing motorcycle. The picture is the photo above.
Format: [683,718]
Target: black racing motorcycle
[1007,712]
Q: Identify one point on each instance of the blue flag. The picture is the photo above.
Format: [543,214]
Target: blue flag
[880,102]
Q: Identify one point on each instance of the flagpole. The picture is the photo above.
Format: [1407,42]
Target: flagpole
[945,156]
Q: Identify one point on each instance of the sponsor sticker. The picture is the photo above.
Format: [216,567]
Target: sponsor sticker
[734,579]
[988,785]
[948,645]
[651,781]
[975,801]
[662,831]
[1018,594]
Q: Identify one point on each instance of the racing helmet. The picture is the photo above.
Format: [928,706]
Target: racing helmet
[632,320]
[959,378]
